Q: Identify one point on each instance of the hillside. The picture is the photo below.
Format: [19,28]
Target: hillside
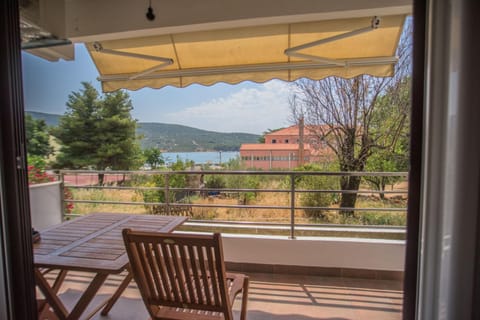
[49,118]
[173,137]
[176,138]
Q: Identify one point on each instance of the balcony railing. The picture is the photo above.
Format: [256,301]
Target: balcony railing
[275,203]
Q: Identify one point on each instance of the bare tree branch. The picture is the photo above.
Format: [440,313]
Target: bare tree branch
[350,115]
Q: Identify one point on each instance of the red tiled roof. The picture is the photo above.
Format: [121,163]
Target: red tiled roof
[272,146]
[292,130]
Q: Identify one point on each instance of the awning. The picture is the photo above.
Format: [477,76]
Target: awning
[315,50]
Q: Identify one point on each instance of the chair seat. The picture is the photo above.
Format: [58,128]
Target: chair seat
[167,313]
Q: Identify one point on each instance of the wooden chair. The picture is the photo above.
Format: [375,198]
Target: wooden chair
[182,276]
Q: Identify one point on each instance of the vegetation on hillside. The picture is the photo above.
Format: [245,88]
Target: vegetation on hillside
[50,119]
[178,138]
[174,137]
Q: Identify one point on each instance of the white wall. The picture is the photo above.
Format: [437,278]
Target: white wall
[369,254]
[45,204]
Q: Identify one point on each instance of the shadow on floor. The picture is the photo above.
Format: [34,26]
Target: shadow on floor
[260,315]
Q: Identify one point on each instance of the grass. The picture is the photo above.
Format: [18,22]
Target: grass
[248,214]
[107,195]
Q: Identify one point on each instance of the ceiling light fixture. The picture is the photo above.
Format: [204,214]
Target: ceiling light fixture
[150,15]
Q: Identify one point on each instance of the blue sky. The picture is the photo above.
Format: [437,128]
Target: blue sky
[246,107]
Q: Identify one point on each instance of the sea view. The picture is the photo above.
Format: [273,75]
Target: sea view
[216,157]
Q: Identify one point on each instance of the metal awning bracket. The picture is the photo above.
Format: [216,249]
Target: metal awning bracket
[293,52]
[163,61]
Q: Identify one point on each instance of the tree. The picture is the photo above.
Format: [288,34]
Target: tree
[38,137]
[394,158]
[153,157]
[348,115]
[315,199]
[384,161]
[118,147]
[97,132]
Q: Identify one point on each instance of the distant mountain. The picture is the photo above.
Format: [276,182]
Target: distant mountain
[174,137]
[50,119]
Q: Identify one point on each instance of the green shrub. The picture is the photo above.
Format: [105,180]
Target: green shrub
[250,181]
[159,181]
[382,218]
[215,182]
[316,199]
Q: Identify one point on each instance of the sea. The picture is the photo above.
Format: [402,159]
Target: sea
[213,157]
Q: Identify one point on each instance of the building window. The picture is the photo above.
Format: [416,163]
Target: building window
[286,140]
[274,140]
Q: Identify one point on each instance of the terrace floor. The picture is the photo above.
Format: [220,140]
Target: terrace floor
[273,296]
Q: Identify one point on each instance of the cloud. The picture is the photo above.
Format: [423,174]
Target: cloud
[252,110]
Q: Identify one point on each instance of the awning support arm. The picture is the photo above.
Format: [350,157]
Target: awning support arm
[293,52]
[164,61]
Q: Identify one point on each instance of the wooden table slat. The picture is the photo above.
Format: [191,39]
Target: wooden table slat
[94,242]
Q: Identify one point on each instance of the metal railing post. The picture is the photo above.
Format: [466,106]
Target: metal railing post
[292,206]
[62,194]
[167,194]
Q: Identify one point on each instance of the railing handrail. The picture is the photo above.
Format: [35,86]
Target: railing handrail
[243,172]
[230,190]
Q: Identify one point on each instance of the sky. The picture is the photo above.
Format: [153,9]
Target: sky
[245,107]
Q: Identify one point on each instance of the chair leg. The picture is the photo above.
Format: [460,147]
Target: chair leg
[243,313]
[47,314]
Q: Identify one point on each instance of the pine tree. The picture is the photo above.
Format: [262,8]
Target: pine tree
[97,132]
[37,135]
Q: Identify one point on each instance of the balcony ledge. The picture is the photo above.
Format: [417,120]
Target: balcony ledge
[353,257]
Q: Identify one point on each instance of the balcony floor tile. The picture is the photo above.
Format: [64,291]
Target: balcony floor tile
[273,296]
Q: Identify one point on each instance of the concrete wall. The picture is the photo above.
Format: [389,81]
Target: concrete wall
[368,254]
[45,204]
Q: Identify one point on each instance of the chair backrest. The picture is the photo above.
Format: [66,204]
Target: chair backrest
[179,270]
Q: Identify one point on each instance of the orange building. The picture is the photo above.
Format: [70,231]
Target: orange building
[283,149]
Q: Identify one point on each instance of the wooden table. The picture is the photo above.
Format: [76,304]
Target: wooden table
[91,243]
